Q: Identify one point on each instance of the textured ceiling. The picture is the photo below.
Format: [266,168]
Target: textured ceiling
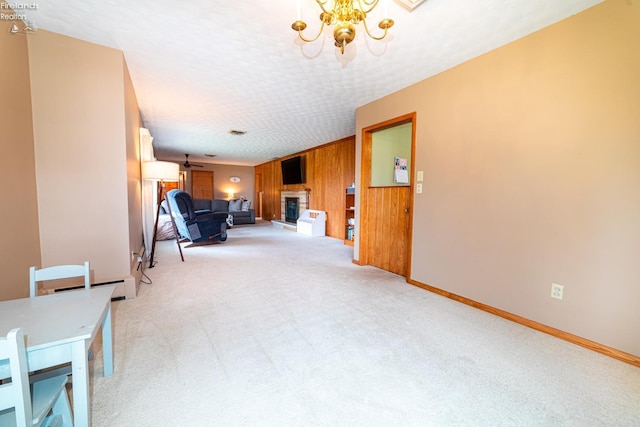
[202,68]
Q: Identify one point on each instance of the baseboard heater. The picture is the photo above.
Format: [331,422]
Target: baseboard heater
[93,285]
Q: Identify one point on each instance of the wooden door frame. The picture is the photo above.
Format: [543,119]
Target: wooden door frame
[257,186]
[365,184]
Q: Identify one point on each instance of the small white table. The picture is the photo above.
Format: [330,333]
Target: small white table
[60,328]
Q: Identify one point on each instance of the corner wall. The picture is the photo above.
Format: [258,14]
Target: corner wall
[531,161]
[81,148]
[20,247]
[133,123]
[330,170]
[221,183]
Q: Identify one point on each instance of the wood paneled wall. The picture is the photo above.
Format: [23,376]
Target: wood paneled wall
[330,169]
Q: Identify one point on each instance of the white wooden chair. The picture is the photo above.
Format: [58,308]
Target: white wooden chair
[57,272]
[44,403]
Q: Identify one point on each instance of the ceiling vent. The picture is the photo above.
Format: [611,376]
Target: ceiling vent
[410,4]
[237,132]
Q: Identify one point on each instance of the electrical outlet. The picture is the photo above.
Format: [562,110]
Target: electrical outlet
[557,291]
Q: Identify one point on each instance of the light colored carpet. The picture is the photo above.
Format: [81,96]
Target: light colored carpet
[272,328]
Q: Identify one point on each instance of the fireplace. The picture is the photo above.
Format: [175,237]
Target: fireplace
[287,199]
[291,209]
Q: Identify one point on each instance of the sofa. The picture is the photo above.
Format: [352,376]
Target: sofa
[239,209]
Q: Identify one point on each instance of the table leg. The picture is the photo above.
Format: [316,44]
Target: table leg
[80,371]
[107,343]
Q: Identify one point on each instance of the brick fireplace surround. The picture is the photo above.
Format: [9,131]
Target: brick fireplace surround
[303,201]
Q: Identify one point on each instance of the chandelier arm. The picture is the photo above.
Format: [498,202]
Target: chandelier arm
[313,39]
[321,3]
[366,28]
[367,6]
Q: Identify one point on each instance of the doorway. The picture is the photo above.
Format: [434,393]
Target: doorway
[177,185]
[386,188]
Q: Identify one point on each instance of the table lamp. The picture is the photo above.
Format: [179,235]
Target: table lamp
[160,172]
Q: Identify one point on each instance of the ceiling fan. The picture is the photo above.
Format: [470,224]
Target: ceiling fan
[188,165]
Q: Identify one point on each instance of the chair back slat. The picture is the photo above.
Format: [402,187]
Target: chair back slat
[6,390]
[57,272]
[49,402]
[17,393]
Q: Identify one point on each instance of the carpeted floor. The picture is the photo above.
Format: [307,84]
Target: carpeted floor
[272,328]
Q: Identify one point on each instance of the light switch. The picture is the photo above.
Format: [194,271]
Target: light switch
[419,188]
[420,176]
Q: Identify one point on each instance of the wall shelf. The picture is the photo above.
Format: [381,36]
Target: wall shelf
[349,217]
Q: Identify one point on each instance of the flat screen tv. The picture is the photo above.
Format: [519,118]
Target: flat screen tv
[292,171]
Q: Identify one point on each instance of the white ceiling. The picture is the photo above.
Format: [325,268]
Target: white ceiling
[201,68]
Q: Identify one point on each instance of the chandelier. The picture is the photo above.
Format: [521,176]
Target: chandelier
[345,15]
